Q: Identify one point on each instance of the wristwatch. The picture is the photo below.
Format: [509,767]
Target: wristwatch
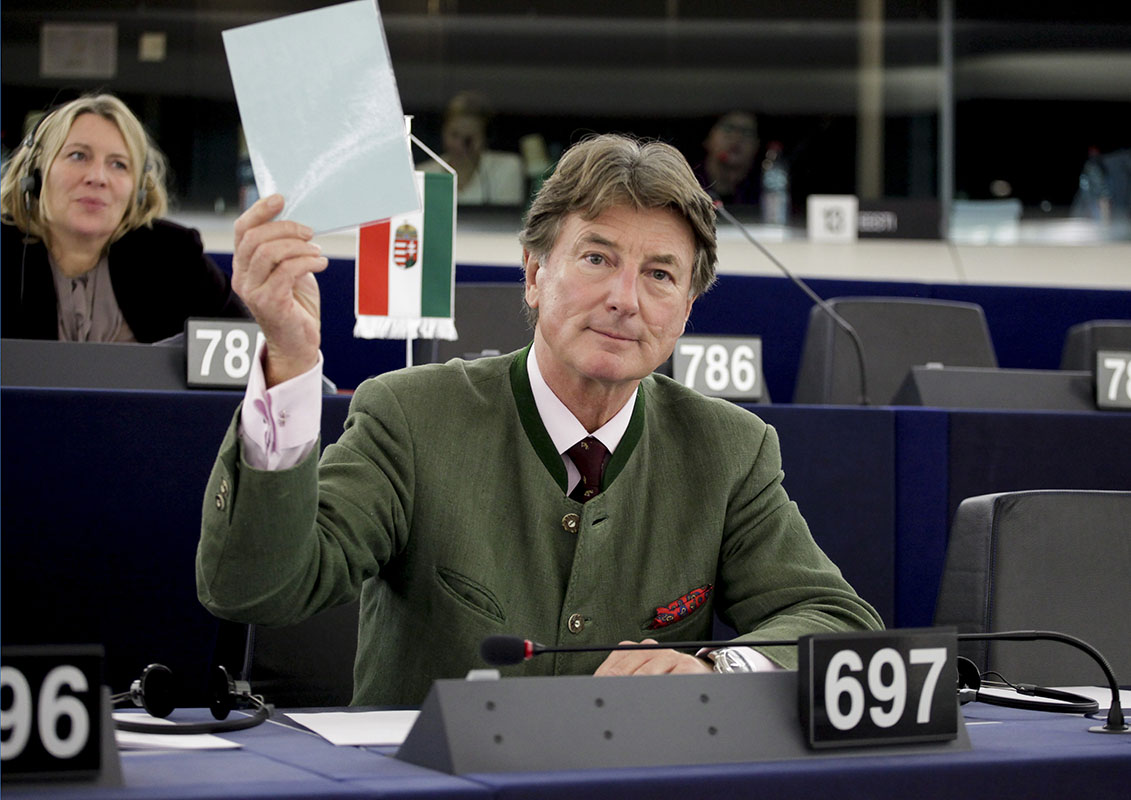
[730,659]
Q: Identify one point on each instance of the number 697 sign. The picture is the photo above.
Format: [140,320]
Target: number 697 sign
[878,687]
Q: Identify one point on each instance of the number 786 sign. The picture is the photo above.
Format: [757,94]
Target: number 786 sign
[720,366]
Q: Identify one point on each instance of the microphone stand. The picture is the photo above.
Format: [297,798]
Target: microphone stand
[857,344]
[1115,722]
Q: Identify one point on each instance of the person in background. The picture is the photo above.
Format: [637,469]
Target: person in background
[485,177]
[86,256]
[727,171]
[562,492]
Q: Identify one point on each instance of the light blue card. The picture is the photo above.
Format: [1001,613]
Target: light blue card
[322,116]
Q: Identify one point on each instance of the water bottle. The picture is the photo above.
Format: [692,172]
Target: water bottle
[245,177]
[1095,192]
[775,186]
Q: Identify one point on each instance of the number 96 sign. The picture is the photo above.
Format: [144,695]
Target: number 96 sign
[220,351]
[720,366]
[50,712]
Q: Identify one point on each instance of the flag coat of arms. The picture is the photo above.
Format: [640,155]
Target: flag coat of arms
[405,281]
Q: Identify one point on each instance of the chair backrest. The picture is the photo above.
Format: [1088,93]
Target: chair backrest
[897,334]
[1054,560]
[308,665]
[489,320]
[1083,340]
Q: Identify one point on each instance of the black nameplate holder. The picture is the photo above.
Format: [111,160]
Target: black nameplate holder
[881,687]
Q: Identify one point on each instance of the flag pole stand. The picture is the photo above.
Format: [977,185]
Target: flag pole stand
[455,185]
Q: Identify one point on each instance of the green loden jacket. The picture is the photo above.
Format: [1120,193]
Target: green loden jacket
[443,505]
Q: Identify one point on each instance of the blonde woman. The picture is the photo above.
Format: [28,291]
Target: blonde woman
[86,256]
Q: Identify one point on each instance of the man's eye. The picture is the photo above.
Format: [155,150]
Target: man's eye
[661,275]
[595,259]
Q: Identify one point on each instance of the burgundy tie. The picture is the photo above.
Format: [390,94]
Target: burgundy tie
[589,457]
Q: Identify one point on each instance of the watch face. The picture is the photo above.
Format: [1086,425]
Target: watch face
[729,660]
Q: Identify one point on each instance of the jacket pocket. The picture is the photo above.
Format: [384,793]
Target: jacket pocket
[681,609]
[470,594]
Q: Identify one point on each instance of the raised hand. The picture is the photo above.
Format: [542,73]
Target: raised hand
[273,267]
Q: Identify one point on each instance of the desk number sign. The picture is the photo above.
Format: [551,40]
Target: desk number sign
[50,712]
[881,687]
[720,366]
[219,351]
[1113,379]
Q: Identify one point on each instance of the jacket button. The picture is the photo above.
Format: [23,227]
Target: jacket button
[576,623]
[220,502]
[223,486]
[570,523]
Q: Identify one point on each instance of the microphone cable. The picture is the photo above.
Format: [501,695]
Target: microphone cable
[857,344]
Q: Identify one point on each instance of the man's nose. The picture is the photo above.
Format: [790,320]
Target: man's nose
[623,290]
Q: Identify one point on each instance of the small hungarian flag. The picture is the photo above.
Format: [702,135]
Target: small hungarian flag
[405,281]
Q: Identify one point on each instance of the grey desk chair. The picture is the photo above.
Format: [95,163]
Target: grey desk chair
[1083,340]
[897,333]
[489,320]
[1042,560]
[305,665]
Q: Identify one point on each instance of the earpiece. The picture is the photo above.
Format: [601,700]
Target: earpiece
[969,680]
[30,186]
[153,691]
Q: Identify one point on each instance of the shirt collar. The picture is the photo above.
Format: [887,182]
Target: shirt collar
[564,428]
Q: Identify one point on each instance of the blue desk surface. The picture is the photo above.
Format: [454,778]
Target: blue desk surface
[1014,754]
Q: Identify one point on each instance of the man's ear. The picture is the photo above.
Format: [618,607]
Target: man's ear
[530,266]
[687,316]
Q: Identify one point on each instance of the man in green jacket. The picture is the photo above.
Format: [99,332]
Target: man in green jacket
[562,493]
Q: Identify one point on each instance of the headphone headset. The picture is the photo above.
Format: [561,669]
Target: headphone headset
[31,184]
[153,691]
[970,683]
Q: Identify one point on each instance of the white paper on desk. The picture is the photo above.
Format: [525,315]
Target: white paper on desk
[359,727]
[322,117]
[128,740]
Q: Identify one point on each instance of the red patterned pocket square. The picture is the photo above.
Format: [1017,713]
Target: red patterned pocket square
[678,609]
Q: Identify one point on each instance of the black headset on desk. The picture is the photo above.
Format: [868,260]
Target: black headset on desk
[153,691]
[971,681]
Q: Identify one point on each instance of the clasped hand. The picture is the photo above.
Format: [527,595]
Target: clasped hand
[651,662]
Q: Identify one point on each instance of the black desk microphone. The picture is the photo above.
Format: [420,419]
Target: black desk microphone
[500,651]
